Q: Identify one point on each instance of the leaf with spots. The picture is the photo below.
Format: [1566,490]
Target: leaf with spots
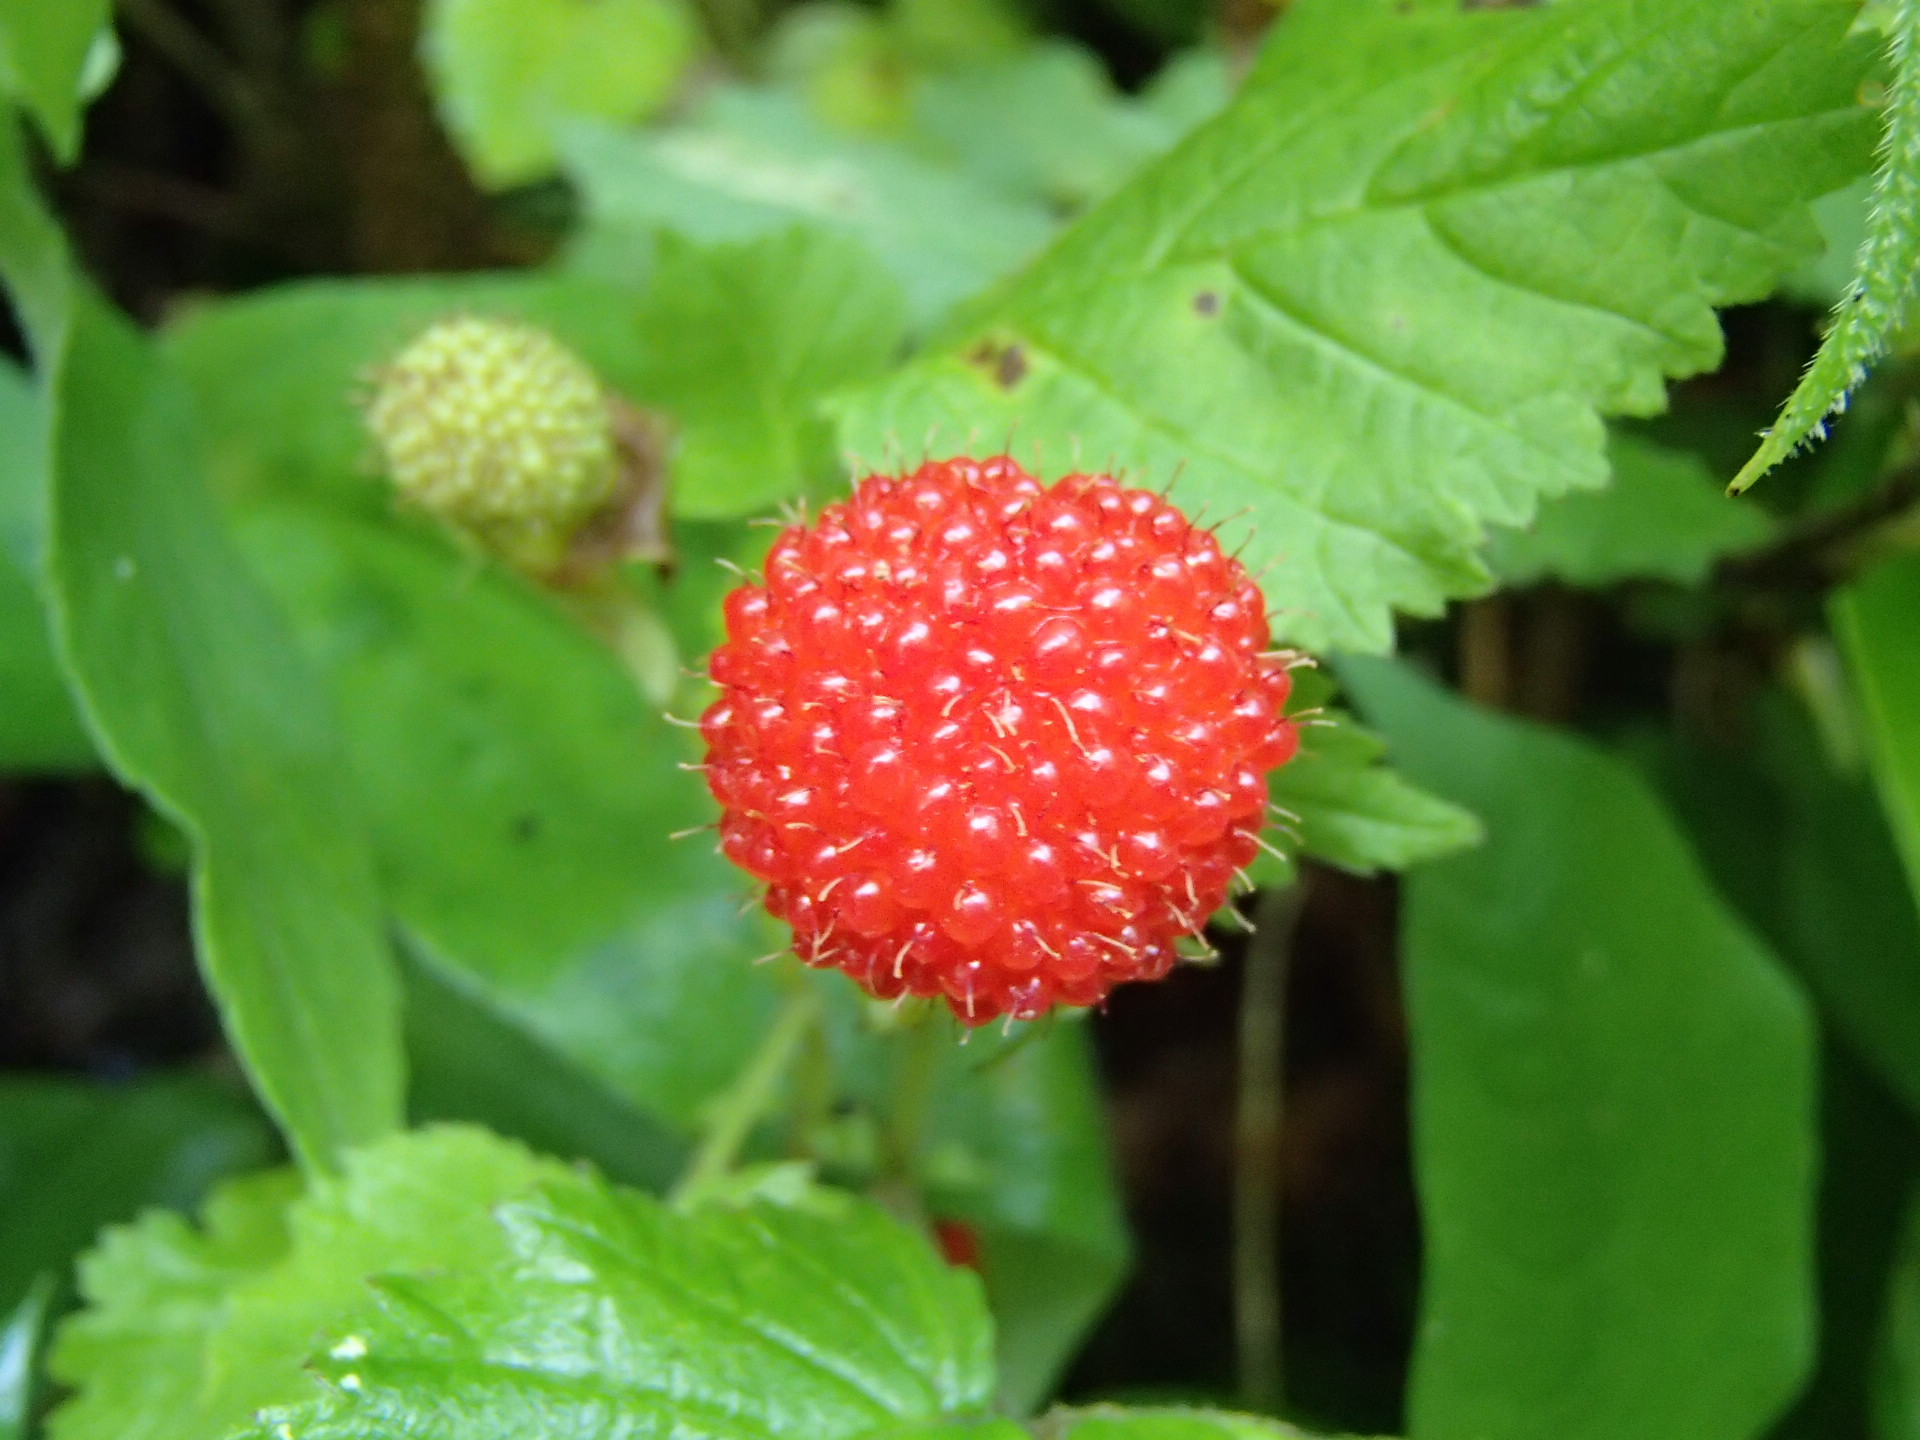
[1382,301]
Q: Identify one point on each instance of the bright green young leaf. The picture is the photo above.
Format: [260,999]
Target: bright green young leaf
[76,1155]
[617,1315]
[507,72]
[1876,298]
[1896,1393]
[156,1290]
[1874,619]
[44,50]
[197,694]
[190,1330]
[1347,807]
[1601,1260]
[1381,302]
[739,343]
[1664,517]
[751,162]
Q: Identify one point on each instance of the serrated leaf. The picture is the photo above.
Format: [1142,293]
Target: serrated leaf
[753,162]
[44,50]
[508,72]
[617,1315]
[1044,122]
[1663,517]
[1347,806]
[739,343]
[189,1331]
[1883,270]
[1600,1260]
[1383,299]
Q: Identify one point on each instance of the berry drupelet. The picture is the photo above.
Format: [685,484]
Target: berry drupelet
[996,741]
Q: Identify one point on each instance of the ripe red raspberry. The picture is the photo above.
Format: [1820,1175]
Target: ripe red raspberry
[995,741]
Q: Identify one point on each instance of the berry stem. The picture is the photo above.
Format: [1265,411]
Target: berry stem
[1257,1158]
[751,1097]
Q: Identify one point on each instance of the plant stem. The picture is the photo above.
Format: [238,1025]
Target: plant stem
[751,1097]
[1256,1182]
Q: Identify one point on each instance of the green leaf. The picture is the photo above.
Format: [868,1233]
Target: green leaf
[507,72]
[518,789]
[1876,300]
[740,344]
[1613,1105]
[39,728]
[76,1155]
[156,1290]
[190,1331]
[1805,852]
[1044,122]
[469,1060]
[1874,619]
[20,1360]
[617,1315]
[752,162]
[44,50]
[1383,299]
[189,687]
[523,800]
[1352,810]
[1869,1161]
[198,698]
[1896,1391]
[1664,517]
[1109,1422]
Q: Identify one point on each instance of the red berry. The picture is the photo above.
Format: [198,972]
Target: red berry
[995,741]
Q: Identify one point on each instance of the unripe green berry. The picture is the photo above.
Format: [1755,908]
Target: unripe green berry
[501,432]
